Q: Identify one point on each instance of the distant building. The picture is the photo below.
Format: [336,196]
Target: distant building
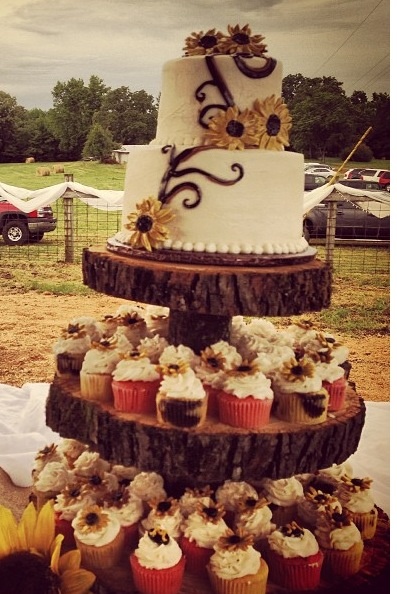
[121,155]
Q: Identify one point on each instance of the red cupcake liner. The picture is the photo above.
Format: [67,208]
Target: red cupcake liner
[65,528]
[157,581]
[197,557]
[247,413]
[337,393]
[137,397]
[297,573]
[212,405]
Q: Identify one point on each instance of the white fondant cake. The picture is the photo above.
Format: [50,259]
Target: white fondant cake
[216,179]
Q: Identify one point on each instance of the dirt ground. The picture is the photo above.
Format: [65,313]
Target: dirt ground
[31,322]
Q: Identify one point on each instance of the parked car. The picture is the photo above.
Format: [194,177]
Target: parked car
[315,180]
[384,181]
[360,184]
[354,173]
[352,222]
[18,228]
[372,174]
[308,165]
[323,170]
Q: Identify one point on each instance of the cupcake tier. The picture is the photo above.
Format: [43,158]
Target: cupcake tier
[209,454]
[372,577]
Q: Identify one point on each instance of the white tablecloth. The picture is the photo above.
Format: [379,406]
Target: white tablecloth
[23,433]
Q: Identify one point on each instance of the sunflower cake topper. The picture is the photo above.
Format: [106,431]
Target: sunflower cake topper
[238,40]
[148,224]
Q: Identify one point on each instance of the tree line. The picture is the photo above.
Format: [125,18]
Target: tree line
[90,120]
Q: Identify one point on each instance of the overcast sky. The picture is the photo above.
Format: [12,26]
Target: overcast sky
[125,42]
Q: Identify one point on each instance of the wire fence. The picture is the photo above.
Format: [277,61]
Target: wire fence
[92,226]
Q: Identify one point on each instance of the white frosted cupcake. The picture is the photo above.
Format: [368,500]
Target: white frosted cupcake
[157,320]
[201,530]
[181,400]
[178,355]
[283,495]
[98,365]
[298,393]
[230,494]
[255,517]
[135,384]
[165,514]
[157,564]
[52,479]
[236,567]
[148,486]
[98,537]
[215,360]
[313,504]
[190,498]
[50,453]
[357,499]
[128,509]
[90,324]
[70,350]
[246,397]
[132,325]
[153,347]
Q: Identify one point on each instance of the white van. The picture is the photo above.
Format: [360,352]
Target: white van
[372,174]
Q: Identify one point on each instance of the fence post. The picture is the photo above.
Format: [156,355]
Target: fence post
[68,221]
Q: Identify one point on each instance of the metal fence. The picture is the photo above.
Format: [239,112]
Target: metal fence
[92,226]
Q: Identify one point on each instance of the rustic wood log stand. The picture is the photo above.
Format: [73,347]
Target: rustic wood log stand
[203,298]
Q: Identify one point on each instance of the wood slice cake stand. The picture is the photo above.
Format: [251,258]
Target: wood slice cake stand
[202,299]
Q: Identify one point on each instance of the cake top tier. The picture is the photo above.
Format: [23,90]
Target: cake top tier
[224,92]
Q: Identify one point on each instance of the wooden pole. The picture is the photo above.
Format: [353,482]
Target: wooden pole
[332,180]
[68,219]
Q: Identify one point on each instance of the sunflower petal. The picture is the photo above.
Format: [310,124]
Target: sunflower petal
[27,527]
[8,532]
[69,560]
[55,552]
[45,528]
[76,581]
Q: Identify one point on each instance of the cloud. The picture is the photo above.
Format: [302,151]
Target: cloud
[126,42]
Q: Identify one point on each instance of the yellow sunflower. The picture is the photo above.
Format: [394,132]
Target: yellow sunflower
[298,370]
[148,224]
[232,130]
[173,369]
[198,44]
[32,544]
[235,541]
[212,360]
[241,41]
[275,123]
[245,368]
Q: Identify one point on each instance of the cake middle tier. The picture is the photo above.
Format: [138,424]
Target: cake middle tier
[220,201]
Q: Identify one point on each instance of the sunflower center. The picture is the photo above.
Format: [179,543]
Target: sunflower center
[273,125]
[243,368]
[92,519]
[241,38]
[208,41]
[24,571]
[234,539]
[212,362]
[211,512]
[144,223]
[164,506]
[297,370]
[235,128]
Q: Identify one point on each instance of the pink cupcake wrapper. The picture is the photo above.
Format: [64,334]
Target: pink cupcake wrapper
[247,413]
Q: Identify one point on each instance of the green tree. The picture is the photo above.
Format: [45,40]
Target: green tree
[43,145]
[13,136]
[72,115]
[130,116]
[99,143]
[379,139]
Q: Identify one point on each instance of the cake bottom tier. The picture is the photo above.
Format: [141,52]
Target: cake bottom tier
[373,577]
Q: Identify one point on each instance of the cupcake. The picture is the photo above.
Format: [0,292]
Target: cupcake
[90,325]
[236,567]
[246,397]
[254,517]
[98,365]
[148,486]
[201,530]
[340,353]
[50,482]
[135,384]
[342,545]
[89,463]
[98,537]
[298,393]
[67,504]
[71,449]
[157,564]
[157,320]
[153,347]
[230,494]
[50,453]
[132,326]
[191,497]
[283,495]
[357,499]
[294,558]
[181,400]
[215,360]
[70,350]
[312,505]
[165,514]
[128,509]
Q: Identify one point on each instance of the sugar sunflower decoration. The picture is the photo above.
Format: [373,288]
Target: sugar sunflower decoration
[74,331]
[232,129]
[355,485]
[165,507]
[105,344]
[241,41]
[174,369]
[211,514]
[274,122]
[235,541]
[298,370]
[30,550]
[199,44]
[148,224]
[212,360]
[245,368]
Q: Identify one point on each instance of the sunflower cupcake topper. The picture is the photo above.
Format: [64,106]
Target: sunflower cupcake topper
[149,224]
[234,541]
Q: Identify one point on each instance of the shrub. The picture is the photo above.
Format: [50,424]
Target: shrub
[362,154]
